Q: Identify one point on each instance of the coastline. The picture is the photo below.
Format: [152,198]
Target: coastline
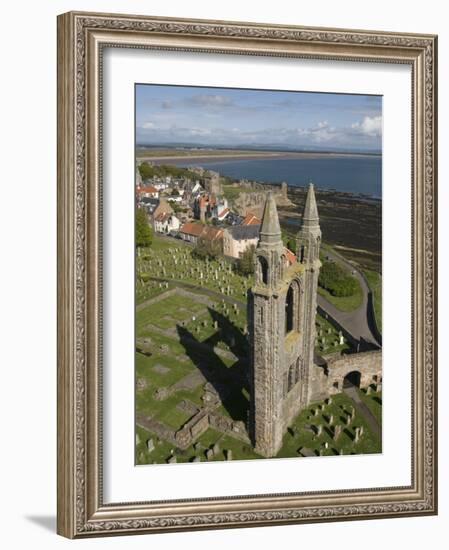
[251,155]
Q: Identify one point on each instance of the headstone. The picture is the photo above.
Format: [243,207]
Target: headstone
[331,419]
[320,429]
[357,435]
[337,431]
[137,439]
[150,445]
[209,454]
[216,449]
[348,420]
[369,390]
[171,460]
[196,459]
[229,454]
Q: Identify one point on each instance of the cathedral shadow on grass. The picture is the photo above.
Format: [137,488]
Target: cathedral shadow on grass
[228,333]
[229,382]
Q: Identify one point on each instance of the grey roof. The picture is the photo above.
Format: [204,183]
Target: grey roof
[270,231]
[243,232]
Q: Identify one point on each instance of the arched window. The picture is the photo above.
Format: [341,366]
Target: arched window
[292,308]
[263,270]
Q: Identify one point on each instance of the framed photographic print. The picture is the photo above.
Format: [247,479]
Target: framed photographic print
[247,274]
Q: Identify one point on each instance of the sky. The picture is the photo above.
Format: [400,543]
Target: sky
[259,118]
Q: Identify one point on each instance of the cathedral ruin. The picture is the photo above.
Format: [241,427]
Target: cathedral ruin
[282,306]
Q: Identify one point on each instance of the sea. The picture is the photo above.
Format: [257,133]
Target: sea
[351,174]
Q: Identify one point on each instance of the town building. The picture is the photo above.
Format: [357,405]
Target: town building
[166,223]
[238,238]
[193,231]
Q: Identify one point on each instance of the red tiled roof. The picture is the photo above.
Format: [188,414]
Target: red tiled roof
[192,228]
[212,233]
[251,219]
[162,217]
[149,189]
[205,231]
[291,257]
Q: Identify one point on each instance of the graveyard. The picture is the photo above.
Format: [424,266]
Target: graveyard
[192,358]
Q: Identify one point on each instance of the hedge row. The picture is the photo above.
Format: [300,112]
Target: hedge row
[336,280]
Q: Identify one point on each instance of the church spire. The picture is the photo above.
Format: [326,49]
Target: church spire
[270,231]
[309,236]
[310,217]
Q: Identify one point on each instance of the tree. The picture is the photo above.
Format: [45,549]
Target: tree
[206,248]
[245,264]
[146,170]
[144,233]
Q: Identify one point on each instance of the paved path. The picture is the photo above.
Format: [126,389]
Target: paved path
[355,322]
[364,411]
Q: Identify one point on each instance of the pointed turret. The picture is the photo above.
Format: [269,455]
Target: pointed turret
[310,217]
[270,231]
[309,236]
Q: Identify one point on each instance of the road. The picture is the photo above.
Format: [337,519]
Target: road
[357,322]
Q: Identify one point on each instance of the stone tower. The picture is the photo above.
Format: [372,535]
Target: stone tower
[281,315]
[308,242]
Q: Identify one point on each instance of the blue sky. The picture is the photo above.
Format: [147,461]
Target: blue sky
[225,116]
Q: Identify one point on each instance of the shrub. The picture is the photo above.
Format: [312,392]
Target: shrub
[336,280]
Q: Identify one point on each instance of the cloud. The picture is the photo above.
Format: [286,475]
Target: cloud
[210,100]
[148,125]
[370,126]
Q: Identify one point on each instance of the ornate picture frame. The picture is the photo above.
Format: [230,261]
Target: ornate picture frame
[82,38]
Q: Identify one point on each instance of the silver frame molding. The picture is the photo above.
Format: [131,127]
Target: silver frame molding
[81,38]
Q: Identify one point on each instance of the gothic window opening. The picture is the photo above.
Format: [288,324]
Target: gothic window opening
[263,270]
[292,308]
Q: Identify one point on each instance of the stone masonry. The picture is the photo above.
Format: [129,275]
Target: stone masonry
[282,305]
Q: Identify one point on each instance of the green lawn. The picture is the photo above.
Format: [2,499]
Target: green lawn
[296,437]
[179,335]
[375,284]
[374,403]
[331,336]
[173,262]
[344,303]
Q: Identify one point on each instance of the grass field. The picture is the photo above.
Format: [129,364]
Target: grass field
[301,434]
[344,303]
[191,336]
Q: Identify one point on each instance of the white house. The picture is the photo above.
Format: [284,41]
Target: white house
[166,222]
[238,238]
